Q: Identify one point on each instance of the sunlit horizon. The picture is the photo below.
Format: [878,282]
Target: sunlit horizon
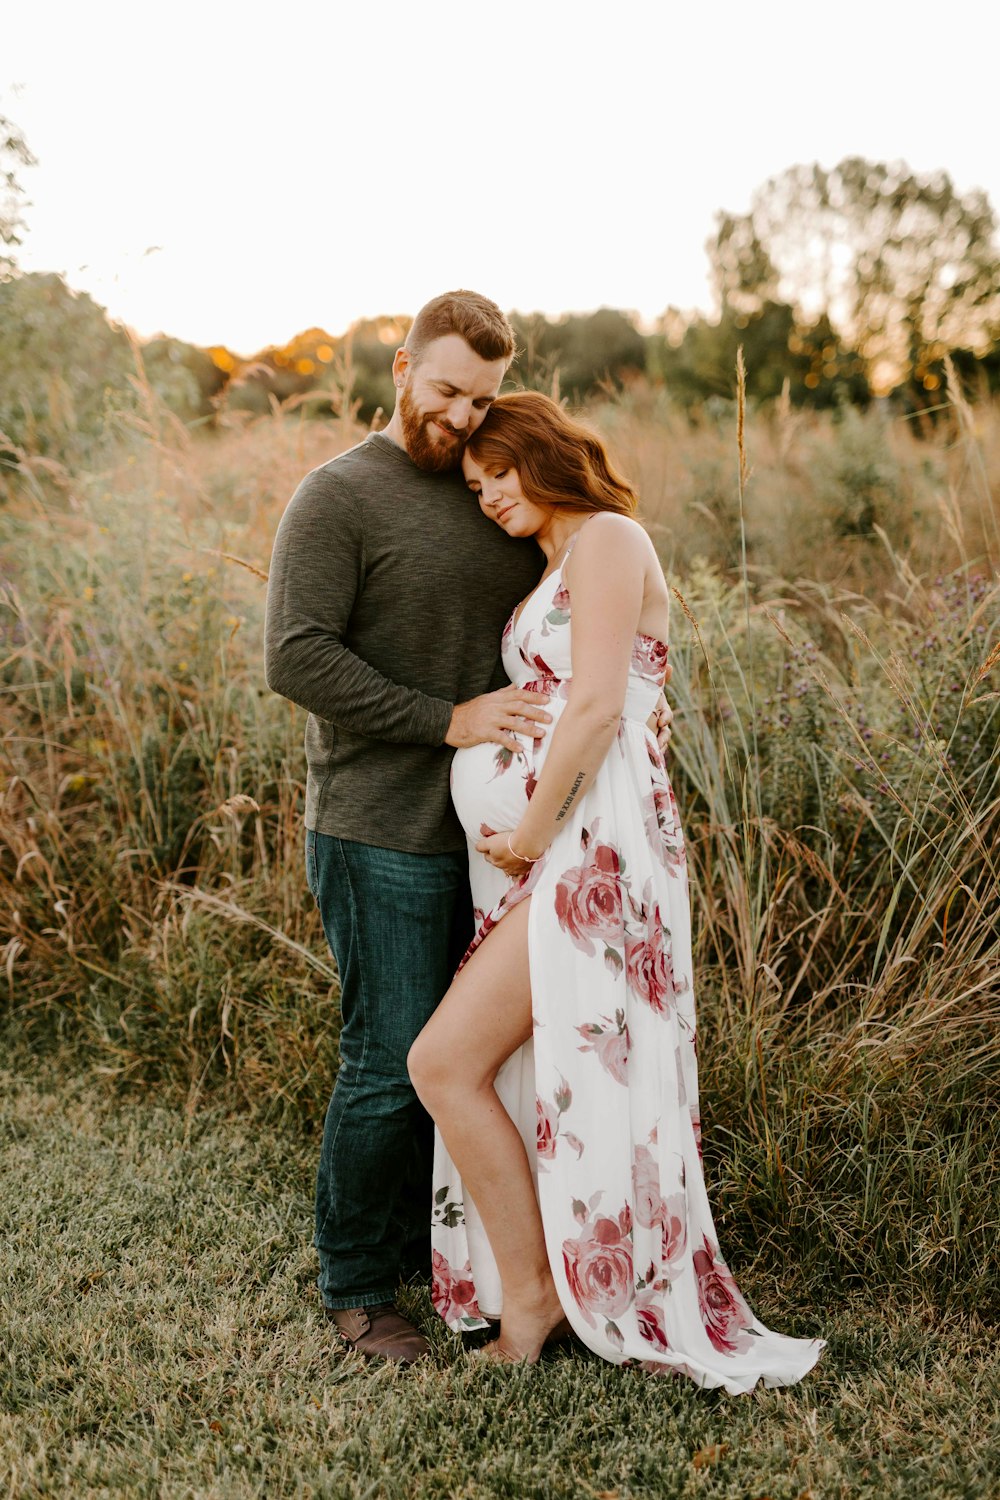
[246,181]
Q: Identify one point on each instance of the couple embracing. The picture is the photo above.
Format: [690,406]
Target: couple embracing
[478,628]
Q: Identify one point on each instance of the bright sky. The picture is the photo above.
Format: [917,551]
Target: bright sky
[313,163]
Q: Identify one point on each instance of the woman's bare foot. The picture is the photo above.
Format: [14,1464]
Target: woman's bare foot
[525,1329]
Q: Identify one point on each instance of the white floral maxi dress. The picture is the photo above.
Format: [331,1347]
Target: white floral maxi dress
[606,1094]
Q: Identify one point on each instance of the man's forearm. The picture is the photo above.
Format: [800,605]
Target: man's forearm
[323,676]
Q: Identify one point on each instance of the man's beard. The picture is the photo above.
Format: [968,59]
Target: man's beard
[429,450]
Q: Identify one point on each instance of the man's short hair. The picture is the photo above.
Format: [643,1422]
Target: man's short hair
[474,318]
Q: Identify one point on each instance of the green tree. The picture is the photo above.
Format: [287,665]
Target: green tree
[362,370]
[700,360]
[14,157]
[743,274]
[62,366]
[586,350]
[185,377]
[904,266]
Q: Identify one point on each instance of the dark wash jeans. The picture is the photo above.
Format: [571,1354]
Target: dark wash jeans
[397,925]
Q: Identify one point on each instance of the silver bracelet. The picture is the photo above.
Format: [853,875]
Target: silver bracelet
[523,857]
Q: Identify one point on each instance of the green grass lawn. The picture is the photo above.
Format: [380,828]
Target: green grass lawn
[161,1337]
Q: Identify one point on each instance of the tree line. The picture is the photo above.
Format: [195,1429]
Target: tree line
[841,285]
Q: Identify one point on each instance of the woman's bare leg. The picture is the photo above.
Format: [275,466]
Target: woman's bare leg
[482,1020]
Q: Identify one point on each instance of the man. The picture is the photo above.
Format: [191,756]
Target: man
[387,596]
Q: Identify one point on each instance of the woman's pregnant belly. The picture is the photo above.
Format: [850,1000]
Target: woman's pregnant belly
[490,787]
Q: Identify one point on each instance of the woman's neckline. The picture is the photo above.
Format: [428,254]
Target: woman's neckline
[518,611]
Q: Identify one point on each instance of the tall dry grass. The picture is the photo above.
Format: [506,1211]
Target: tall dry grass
[838,757]
[152,787]
[835,673]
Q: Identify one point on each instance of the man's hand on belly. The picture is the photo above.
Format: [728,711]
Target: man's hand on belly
[496,717]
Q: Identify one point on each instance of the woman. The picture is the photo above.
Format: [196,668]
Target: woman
[560,1067]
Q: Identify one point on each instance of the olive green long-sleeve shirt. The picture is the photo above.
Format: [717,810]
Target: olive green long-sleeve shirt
[387,596]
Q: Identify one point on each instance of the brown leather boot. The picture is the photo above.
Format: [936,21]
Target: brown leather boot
[379,1333]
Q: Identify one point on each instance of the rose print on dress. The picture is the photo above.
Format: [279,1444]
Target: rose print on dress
[654,1211]
[549,1118]
[655,755]
[598,1264]
[535,660]
[648,969]
[649,1312]
[448,1209]
[652,810]
[588,897]
[724,1313]
[610,1043]
[673,1227]
[663,828]
[558,611]
[674,855]
[547,1129]
[649,657]
[503,760]
[646,1188]
[453,1294]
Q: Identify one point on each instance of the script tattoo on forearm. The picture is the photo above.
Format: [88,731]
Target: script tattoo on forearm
[572,793]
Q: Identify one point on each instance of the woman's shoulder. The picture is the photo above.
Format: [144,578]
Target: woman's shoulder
[608,529]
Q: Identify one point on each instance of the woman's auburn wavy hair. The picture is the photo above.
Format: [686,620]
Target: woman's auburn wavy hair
[558,460]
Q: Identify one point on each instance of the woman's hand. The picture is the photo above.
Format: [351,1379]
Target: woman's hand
[660,722]
[495,848]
